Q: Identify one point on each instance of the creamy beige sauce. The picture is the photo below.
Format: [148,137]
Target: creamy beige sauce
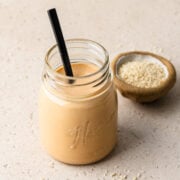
[80,69]
[78,132]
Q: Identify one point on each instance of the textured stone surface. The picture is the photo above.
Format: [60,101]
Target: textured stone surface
[148,136]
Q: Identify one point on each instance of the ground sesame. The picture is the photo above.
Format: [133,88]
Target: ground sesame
[144,74]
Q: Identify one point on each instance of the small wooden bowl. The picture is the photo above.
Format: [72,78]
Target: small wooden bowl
[139,94]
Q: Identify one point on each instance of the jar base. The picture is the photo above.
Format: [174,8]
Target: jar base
[84,163]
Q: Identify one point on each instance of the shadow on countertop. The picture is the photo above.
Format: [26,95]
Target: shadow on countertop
[168,102]
[130,138]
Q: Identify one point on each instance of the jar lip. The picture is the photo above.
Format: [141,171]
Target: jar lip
[79,77]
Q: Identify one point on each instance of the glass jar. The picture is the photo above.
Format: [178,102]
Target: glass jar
[78,115]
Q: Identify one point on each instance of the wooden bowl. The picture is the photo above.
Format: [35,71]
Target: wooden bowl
[139,94]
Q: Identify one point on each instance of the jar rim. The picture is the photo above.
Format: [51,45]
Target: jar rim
[80,40]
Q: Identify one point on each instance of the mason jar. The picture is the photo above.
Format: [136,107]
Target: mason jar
[78,115]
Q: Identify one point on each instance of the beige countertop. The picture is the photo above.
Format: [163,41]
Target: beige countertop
[148,136]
